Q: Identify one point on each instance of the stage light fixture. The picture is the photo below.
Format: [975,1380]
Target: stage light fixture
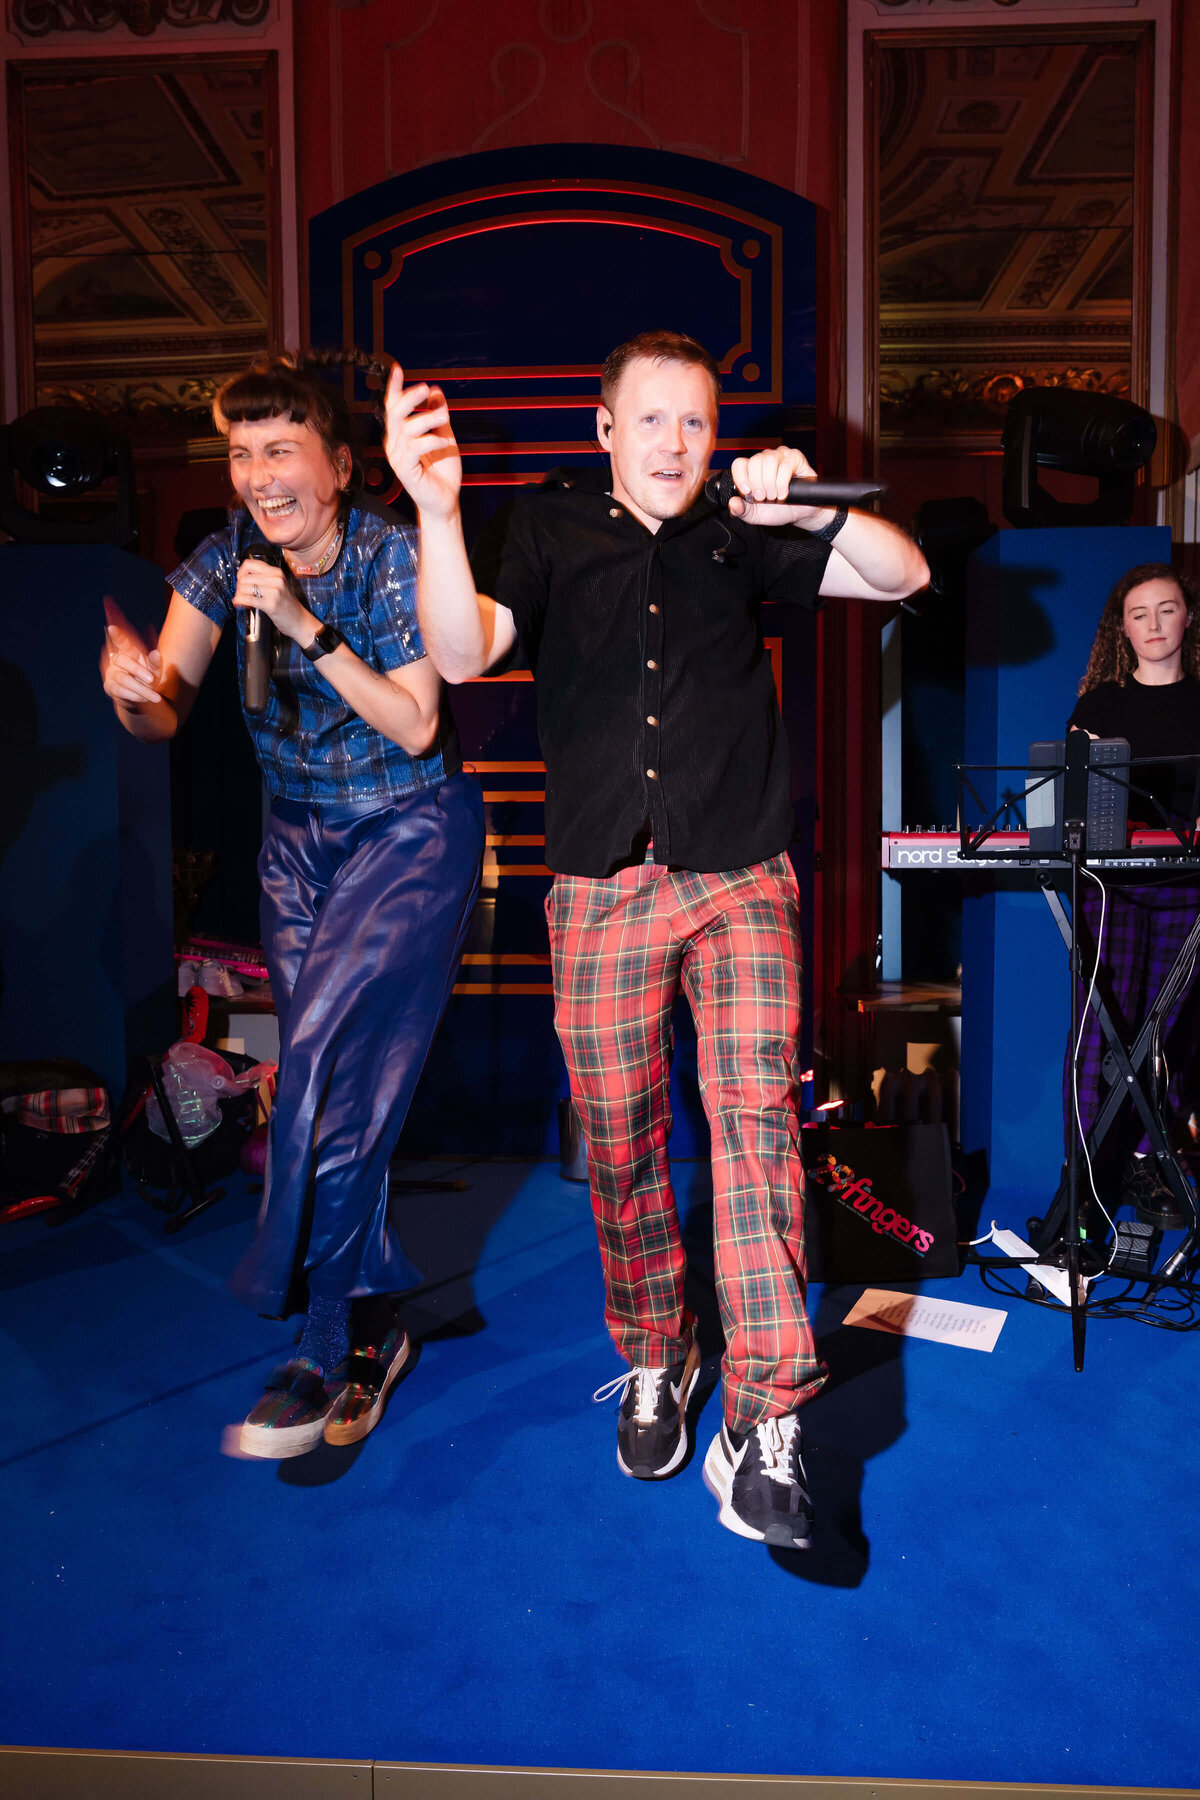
[64,453]
[1082,434]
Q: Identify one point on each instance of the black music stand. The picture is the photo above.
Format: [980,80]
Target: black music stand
[1058,1236]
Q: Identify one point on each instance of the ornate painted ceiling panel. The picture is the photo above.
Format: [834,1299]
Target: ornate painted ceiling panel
[146,209]
[1006,194]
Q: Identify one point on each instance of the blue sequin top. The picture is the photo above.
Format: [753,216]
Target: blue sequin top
[324,752]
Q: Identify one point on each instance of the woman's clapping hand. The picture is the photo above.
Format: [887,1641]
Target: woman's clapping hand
[130,670]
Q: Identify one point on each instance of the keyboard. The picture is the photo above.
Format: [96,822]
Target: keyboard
[1148,852]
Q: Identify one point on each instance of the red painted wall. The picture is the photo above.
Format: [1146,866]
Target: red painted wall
[755,84]
[388,87]
[1187,236]
[752,83]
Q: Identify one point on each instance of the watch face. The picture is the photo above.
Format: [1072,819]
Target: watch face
[327,639]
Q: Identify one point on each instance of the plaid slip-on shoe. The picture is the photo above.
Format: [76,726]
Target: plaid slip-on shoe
[371,1372]
[758,1478]
[289,1420]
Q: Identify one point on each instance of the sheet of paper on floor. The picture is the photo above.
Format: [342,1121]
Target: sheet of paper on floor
[921,1316]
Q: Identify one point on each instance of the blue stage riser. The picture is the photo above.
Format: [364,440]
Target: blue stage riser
[86,934]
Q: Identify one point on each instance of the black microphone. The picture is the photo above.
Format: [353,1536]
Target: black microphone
[260,634]
[803,490]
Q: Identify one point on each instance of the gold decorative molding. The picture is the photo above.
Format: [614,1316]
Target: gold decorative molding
[47,18]
[148,407]
[928,405]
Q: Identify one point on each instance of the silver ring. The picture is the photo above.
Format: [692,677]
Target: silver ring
[255,592]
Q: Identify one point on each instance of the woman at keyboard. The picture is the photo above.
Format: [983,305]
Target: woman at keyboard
[1142,683]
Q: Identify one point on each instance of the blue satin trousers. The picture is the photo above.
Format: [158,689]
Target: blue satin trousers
[364,912]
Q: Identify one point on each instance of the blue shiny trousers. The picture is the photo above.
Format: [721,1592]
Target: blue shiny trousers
[364,911]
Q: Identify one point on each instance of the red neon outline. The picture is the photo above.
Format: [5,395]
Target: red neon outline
[481,228]
[562,402]
[708,208]
[580,447]
[583,184]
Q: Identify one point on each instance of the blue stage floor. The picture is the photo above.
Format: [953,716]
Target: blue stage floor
[1005,1585]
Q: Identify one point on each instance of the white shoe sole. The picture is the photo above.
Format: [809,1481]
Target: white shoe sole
[681,1448]
[718,1479]
[276,1444]
[363,1426]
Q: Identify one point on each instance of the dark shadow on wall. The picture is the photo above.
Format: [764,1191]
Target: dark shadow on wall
[1006,624]
[27,767]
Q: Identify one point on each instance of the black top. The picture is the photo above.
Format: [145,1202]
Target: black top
[1156,721]
[657,714]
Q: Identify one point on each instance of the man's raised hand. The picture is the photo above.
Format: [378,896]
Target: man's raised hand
[420,445]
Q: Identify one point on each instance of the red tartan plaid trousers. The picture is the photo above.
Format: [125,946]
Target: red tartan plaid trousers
[621,948]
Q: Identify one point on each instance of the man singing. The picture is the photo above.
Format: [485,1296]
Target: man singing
[635,602]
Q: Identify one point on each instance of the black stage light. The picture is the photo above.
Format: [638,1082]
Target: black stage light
[1082,434]
[64,452]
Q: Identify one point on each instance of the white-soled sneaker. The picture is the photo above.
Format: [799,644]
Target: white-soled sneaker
[760,1483]
[652,1437]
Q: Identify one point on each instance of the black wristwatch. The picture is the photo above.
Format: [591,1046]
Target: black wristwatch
[828,532]
[327,639]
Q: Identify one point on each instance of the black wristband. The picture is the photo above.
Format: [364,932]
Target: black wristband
[327,639]
[828,532]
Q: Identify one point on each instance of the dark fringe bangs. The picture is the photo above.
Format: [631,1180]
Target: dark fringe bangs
[273,393]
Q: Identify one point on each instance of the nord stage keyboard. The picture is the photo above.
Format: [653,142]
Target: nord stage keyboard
[1149,851]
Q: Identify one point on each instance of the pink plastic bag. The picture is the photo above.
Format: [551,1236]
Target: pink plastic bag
[196,1080]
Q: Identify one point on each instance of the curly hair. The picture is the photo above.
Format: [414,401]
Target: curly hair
[289,385]
[1112,657]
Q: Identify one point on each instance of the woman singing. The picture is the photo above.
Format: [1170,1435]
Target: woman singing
[369,869]
[1143,683]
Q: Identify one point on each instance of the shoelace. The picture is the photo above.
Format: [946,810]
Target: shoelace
[776,1438]
[645,1398]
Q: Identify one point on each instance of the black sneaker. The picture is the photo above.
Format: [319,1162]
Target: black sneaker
[1147,1192]
[759,1481]
[652,1437]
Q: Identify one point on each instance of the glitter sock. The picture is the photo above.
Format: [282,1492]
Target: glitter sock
[326,1335]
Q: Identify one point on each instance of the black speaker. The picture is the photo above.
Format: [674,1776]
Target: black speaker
[879,1203]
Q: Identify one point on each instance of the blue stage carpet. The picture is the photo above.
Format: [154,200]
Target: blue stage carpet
[1005,1587]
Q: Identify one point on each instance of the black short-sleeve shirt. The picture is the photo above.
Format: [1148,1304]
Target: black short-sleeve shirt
[1155,721]
[656,701]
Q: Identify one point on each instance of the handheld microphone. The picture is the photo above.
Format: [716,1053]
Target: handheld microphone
[260,634]
[802,490]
